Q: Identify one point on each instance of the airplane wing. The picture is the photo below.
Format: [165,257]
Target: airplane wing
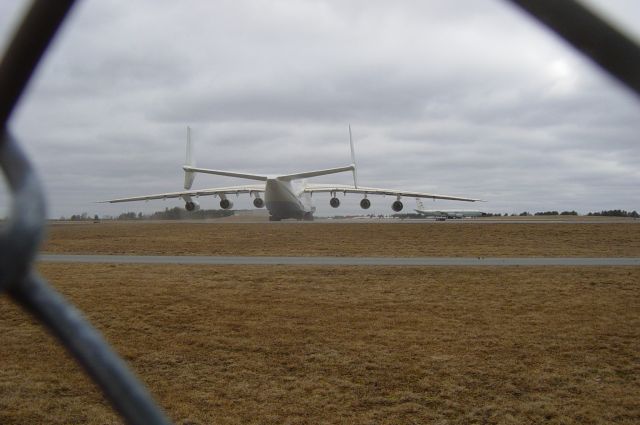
[337,188]
[187,194]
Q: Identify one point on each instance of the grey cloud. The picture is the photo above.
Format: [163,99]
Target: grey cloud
[468,98]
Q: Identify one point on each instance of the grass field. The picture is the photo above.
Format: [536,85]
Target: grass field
[307,345]
[357,239]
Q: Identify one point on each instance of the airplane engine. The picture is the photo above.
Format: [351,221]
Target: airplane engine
[334,202]
[258,202]
[365,204]
[397,206]
[191,206]
[226,204]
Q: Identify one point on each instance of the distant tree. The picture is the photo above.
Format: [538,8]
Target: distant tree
[568,213]
[178,213]
[167,214]
[127,216]
[614,213]
[524,214]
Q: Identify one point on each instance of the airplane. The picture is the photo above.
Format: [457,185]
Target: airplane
[442,215]
[284,197]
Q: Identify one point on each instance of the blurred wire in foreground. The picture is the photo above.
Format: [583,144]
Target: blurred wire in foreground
[20,239]
[591,35]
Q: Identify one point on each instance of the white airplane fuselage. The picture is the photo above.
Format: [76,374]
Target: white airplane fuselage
[283,200]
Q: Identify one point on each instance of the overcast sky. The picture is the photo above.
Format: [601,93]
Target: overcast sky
[467,98]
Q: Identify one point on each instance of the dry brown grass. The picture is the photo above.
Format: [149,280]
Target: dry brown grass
[358,239]
[394,345]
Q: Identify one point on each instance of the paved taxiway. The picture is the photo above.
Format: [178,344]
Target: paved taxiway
[340,261]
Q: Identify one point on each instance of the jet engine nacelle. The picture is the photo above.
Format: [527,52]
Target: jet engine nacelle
[334,202]
[192,206]
[365,204]
[397,206]
[258,202]
[226,204]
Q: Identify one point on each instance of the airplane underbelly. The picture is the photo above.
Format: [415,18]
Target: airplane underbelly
[281,201]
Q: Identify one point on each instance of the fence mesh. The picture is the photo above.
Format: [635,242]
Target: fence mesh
[21,236]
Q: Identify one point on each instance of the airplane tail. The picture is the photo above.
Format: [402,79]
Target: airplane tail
[189,176]
[353,160]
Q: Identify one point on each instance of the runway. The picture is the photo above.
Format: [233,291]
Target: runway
[340,261]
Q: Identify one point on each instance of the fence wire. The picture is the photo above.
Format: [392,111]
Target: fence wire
[607,46]
[21,237]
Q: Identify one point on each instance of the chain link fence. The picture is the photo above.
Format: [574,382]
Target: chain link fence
[21,236]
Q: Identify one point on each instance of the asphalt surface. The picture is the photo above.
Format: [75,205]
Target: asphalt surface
[340,261]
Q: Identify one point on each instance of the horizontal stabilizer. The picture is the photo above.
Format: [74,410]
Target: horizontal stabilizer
[317,173]
[225,173]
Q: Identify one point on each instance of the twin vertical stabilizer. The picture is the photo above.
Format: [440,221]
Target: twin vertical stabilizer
[189,176]
[353,160]
[190,168]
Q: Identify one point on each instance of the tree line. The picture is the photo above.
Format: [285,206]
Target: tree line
[616,213]
[175,213]
[604,213]
[178,213]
